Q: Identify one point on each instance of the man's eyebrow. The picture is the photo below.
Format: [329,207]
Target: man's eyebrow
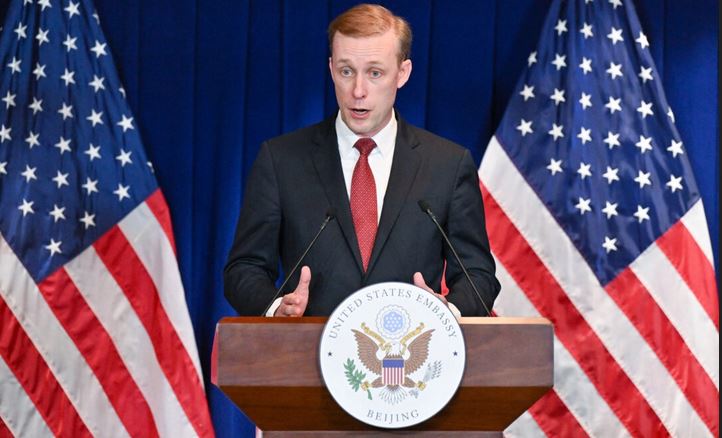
[348,61]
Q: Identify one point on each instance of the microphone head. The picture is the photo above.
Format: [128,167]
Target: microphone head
[331,212]
[425,207]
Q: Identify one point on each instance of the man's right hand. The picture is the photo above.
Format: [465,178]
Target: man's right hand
[294,304]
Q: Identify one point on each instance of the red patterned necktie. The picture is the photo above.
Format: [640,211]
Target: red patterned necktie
[363,200]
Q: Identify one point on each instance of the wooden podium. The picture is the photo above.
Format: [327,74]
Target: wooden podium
[269,367]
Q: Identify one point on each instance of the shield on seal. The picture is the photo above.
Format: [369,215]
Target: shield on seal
[393,370]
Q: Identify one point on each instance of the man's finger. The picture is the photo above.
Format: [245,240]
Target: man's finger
[420,282]
[303,283]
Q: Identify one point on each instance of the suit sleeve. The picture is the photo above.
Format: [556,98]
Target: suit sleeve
[252,266]
[466,229]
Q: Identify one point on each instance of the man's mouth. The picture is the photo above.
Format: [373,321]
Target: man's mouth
[359,111]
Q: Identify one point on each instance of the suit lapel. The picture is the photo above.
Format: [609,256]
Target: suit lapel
[404,168]
[328,165]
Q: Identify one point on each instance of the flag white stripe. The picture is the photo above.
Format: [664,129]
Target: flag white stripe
[681,307]
[570,382]
[524,427]
[16,409]
[114,311]
[562,259]
[52,342]
[150,243]
[696,223]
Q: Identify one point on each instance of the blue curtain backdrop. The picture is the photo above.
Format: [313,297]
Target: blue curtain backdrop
[209,80]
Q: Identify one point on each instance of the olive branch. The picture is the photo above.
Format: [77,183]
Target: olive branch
[355,377]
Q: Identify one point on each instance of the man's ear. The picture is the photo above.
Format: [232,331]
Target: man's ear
[404,73]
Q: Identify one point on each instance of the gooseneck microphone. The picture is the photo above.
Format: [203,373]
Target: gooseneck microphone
[426,208]
[330,215]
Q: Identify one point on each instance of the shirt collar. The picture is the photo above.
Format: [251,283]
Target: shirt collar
[385,139]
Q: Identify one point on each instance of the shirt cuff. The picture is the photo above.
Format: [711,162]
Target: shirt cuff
[276,304]
[454,310]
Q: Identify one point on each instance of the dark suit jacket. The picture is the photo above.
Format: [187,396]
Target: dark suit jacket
[298,176]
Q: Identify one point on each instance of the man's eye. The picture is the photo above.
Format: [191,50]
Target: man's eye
[375,74]
[346,72]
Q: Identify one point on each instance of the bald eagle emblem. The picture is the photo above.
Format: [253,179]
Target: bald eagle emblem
[393,358]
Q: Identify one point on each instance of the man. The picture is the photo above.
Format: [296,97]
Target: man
[372,168]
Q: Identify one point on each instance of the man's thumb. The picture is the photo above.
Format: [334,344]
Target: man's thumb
[304,281]
[420,282]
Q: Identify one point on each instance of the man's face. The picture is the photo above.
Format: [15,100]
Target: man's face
[366,74]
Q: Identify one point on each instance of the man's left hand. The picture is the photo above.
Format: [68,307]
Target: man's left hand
[420,282]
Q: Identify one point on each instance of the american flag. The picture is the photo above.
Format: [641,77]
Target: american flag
[95,336]
[596,223]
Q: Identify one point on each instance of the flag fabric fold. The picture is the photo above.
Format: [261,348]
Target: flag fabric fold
[95,335]
[596,223]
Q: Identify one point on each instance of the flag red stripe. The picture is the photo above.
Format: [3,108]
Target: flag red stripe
[36,378]
[689,260]
[4,431]
[159,208]
[571,328]
[643,311]
[133,278]
[98,350]
[554,418]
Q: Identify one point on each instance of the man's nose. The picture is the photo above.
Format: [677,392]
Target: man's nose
[359,88]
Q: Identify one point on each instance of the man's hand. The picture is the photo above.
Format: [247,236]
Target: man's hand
[294,304]
[420,282]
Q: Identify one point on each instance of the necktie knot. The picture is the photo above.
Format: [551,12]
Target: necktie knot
[365,145]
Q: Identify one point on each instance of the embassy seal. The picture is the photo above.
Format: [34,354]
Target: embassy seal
[392,355]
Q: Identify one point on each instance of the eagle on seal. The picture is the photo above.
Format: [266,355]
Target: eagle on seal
[398,360]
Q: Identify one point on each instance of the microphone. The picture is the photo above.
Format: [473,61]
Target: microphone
[426,208]
[330,215]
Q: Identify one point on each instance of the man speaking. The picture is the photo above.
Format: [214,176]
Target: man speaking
[362,174]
